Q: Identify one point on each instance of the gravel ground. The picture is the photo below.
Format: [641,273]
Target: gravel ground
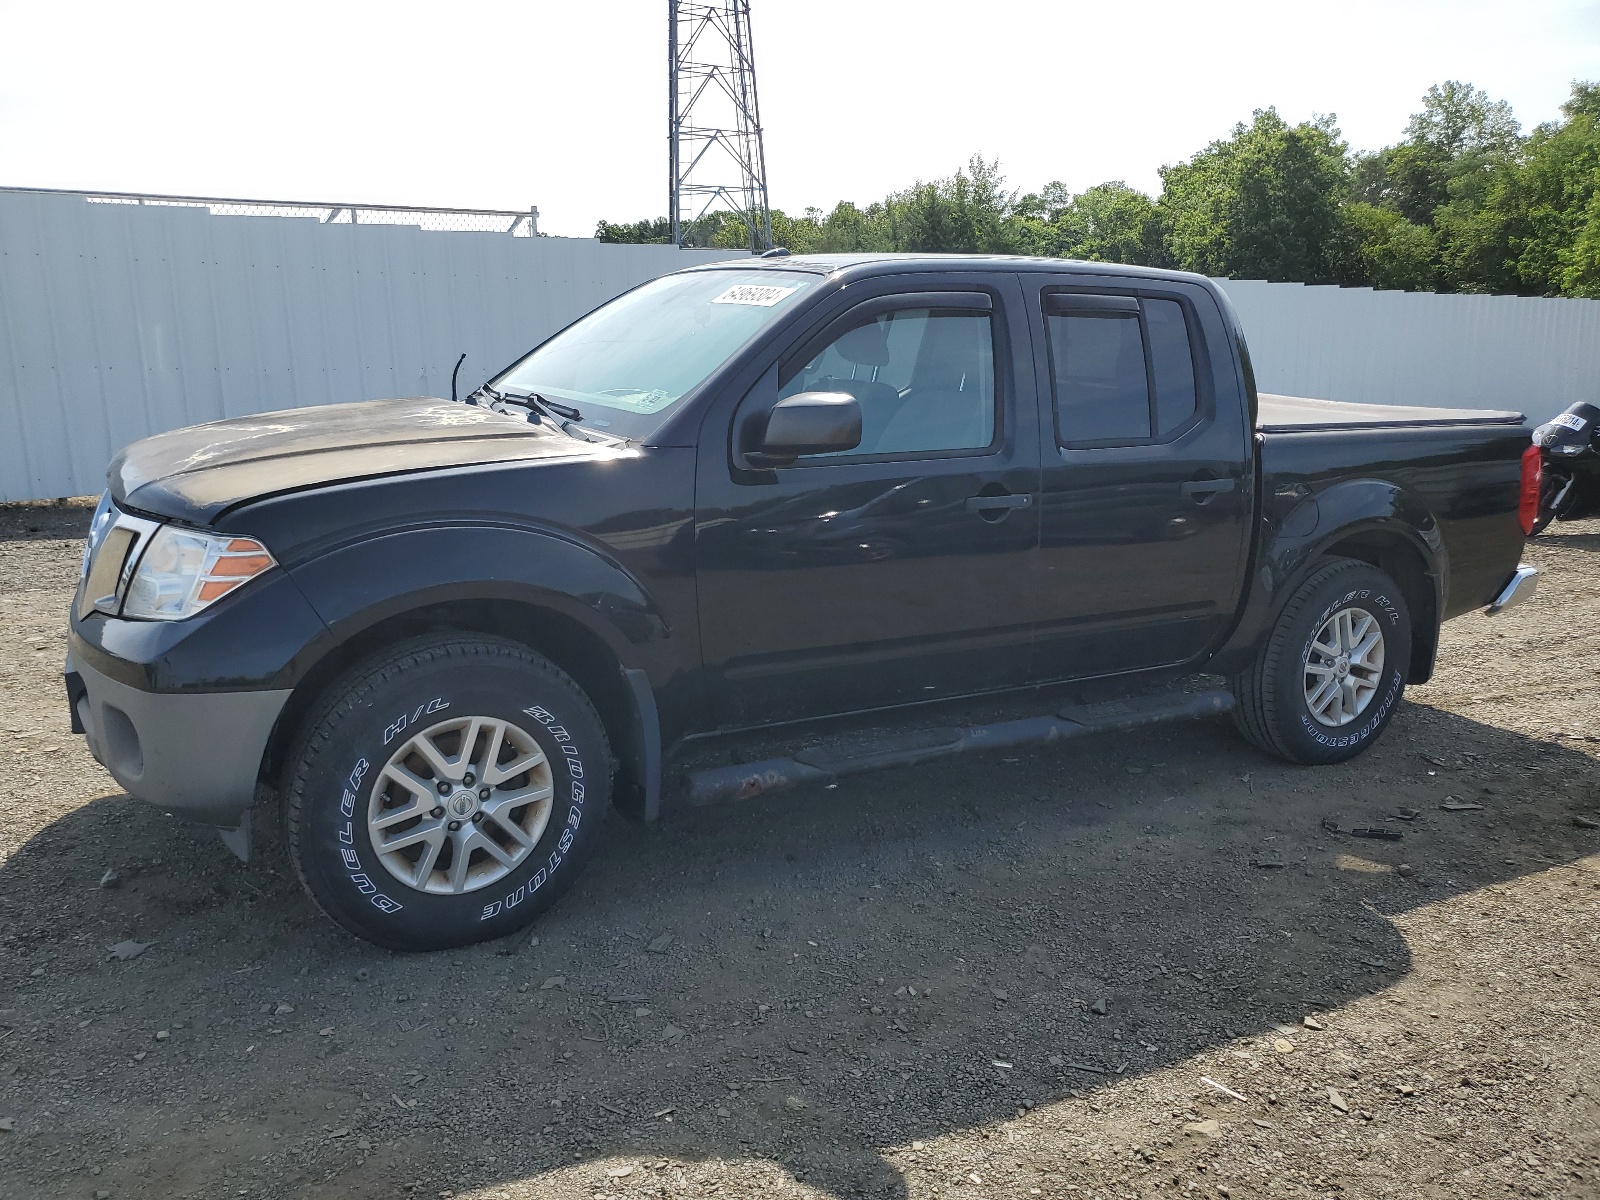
[1134,966]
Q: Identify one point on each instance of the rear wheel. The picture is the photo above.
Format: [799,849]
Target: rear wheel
[1333,669]
[447,793]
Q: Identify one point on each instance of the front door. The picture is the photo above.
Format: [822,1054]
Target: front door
[1147,475]
[899,571]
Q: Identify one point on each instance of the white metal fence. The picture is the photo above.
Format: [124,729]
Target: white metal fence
[122,320]
[119,320]
[1532,355]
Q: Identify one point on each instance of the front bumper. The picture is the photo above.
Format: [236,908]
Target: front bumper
[197,754]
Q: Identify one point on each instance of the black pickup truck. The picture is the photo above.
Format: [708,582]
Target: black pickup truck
[449,637]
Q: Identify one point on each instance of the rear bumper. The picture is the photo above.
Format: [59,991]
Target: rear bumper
[1524,582]
[198,754]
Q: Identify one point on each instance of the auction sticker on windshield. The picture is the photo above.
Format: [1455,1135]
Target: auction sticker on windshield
[761,295]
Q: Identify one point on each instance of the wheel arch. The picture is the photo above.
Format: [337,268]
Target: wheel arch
[616,686]
[1372,520]
[1400,558]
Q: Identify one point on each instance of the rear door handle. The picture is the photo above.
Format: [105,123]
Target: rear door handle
[980,504]
[1201,490]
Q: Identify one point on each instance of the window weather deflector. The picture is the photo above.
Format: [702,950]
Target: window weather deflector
[1084,304]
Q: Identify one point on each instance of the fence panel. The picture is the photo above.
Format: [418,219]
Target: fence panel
[1532,355]
[122,320]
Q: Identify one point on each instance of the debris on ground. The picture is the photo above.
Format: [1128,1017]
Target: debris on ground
[1363,831]
[130,949]
[1461,806]
[1219,1087]
[110,879]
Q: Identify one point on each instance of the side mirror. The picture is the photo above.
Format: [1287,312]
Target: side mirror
[809,423]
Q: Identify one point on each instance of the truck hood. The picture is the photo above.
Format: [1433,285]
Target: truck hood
[194,474]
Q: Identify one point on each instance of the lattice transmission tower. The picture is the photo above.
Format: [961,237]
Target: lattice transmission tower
[713,120]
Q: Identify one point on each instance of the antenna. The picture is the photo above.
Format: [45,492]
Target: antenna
[713,120]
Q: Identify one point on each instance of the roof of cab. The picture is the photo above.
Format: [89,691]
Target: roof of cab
[867,263]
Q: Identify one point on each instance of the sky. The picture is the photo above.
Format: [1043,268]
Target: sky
[500,104]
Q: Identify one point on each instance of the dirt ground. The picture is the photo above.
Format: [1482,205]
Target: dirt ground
[1133,966]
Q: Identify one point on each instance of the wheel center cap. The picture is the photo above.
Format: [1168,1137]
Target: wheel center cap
[462,805]
[1342,666]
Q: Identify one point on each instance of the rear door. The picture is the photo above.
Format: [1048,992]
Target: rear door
[1146,487]
[899,571]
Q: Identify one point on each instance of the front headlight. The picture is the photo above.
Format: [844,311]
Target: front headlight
[103,515]
[182,571]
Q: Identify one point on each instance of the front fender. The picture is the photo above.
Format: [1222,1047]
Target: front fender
[361,584]
[1298,527]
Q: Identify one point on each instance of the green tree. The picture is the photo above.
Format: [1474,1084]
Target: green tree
[1110,222]
[968,213]
[1556,235]
[1388,250]
[1534,227]
[656,232]
[1262,204]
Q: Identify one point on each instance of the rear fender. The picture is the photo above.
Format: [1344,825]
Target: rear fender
[1371,519]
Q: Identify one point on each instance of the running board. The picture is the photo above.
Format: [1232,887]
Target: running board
[824,764]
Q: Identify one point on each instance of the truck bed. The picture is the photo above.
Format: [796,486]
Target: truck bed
[1299,414]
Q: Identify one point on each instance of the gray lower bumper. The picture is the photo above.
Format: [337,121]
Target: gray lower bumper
[1523,583]
[198,755]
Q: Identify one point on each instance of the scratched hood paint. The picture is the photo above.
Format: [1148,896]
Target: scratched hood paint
[193,474]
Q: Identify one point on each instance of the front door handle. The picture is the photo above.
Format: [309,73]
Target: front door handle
[1201,491]
[981,504]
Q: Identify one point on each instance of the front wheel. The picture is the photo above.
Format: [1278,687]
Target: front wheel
[1333,669]
[447,793]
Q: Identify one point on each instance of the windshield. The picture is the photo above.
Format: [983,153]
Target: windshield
[628,362]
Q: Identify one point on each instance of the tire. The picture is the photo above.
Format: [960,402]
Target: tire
[377,749]
[1274,710]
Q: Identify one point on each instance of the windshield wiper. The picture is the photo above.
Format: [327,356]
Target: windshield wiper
[539,410]
[537,403]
